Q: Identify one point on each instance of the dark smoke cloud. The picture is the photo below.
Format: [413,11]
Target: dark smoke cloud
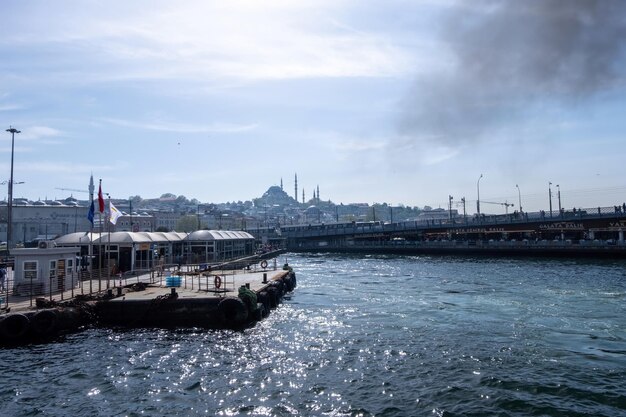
[511,54]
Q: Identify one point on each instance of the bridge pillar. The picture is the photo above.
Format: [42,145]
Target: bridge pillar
[621,236]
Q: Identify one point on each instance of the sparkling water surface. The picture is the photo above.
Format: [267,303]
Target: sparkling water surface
[361,336]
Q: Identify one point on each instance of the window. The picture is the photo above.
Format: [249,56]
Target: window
[53,269]
[30,270]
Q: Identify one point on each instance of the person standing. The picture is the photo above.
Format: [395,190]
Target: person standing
[3,275]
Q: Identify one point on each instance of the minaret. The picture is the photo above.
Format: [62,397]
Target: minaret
[92,188]
[296,189]
[281,184]
[303,196]
[318,193]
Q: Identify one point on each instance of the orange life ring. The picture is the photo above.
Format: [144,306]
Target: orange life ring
[217,281]
[263,264]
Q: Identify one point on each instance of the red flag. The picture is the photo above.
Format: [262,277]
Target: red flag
[100,198]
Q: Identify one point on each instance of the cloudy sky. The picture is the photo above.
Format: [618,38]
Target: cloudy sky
[404,102]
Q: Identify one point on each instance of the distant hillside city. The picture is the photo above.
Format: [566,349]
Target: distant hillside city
[47,219]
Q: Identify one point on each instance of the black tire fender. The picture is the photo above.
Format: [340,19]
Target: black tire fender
[14,327]
[233,311]
[44,322]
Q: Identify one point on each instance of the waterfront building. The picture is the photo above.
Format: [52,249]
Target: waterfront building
[45,271]
[132,251]
[216,245]
[43,219]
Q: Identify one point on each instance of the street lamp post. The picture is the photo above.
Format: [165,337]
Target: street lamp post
[519,197]
[558,193]
[550,197]
[464,213]
[13,131]
[478,194]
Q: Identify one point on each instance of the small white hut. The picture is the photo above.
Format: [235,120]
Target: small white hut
[45,270]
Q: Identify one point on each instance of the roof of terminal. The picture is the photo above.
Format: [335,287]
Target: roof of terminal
[82,238]
[206,235]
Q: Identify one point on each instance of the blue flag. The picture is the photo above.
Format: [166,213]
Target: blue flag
[92,210]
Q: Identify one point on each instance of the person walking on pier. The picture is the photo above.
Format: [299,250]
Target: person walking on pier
[3,275]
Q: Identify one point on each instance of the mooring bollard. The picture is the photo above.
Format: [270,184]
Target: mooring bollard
[247,285]
[119,291]
[264,277]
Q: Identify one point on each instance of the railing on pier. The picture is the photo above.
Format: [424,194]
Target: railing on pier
[99,281]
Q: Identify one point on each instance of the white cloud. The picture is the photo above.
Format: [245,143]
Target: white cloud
[10,107]
[182,128]
[358,145]
[202,40]
[38,132]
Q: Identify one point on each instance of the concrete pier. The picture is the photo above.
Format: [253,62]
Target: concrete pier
[207,299]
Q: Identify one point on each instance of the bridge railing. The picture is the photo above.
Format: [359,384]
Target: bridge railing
[453,244]
[360,228]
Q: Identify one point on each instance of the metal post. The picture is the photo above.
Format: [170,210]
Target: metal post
[198,217]
[550,197]
[464,213]
[559,197]
[13,131]
[519,196]
[108,222]
[450,206]
[478,194]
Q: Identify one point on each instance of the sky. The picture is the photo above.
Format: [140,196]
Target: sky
[403,102]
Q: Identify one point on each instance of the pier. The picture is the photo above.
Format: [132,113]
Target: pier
[209,298]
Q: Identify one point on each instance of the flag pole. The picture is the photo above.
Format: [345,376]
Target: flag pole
[91,258]
[100,235]
[90,250]
[109,246]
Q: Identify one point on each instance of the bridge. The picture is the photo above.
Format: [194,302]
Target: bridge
[597,231]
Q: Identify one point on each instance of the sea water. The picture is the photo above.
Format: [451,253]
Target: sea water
[361,336]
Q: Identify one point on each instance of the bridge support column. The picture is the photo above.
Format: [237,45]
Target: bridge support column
[621,236]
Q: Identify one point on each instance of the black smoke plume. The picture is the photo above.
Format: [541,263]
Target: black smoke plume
[510,56]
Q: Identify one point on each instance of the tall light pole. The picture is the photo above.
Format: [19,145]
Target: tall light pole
[478,192]
[464,214]
[519,196]
[550,197]
[13,131]
[558,193]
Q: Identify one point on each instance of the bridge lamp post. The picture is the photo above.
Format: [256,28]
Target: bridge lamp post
[13,131]
[519,197]
[550,197]
[558,193]
[478,194]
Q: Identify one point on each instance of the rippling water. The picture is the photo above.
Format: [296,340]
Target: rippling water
[361,336]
